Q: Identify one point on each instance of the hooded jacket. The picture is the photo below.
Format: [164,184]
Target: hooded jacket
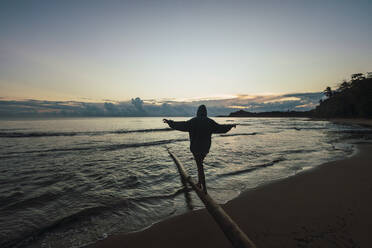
[200,130]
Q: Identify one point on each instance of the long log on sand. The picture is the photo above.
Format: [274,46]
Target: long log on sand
[231,230]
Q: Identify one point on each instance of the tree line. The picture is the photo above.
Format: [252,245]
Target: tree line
[352,98]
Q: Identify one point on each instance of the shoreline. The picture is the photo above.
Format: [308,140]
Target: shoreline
[280,213]
[346,121]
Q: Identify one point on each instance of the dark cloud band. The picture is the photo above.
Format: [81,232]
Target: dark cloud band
[138,107]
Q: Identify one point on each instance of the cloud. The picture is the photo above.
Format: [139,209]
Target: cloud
[283,99]
[152,107]
[138,104]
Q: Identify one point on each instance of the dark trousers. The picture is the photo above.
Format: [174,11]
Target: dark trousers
[199,158]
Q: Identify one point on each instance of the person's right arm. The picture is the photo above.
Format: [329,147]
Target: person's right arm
[178,125]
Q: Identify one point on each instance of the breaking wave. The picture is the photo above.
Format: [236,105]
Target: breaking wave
[56,134]
[253,168]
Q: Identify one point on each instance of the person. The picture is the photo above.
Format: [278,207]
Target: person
[200,130]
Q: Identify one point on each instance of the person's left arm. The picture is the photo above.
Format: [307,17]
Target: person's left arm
[222,128]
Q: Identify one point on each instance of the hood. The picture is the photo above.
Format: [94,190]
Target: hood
[202,111]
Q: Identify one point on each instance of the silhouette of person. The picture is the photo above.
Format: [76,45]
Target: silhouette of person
[200,130]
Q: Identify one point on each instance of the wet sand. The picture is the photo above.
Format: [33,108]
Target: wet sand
[328,206]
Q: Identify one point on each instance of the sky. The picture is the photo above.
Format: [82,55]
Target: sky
[97,51]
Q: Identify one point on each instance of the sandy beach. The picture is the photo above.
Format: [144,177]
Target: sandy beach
[329,206]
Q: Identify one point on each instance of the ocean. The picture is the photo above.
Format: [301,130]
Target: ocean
[71,182]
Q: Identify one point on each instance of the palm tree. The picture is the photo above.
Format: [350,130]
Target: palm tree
[328,92]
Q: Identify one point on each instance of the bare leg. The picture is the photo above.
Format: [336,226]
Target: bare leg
[201,176]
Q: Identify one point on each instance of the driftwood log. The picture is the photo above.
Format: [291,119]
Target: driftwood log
[231,230]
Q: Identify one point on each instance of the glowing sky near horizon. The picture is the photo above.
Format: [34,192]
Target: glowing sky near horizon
[95,50]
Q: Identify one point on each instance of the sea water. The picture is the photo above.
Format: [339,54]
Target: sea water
[71,182]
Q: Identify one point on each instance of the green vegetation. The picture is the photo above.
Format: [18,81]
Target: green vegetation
[351,99]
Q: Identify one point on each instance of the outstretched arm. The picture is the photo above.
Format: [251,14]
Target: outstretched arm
[178,125]
[222,128]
